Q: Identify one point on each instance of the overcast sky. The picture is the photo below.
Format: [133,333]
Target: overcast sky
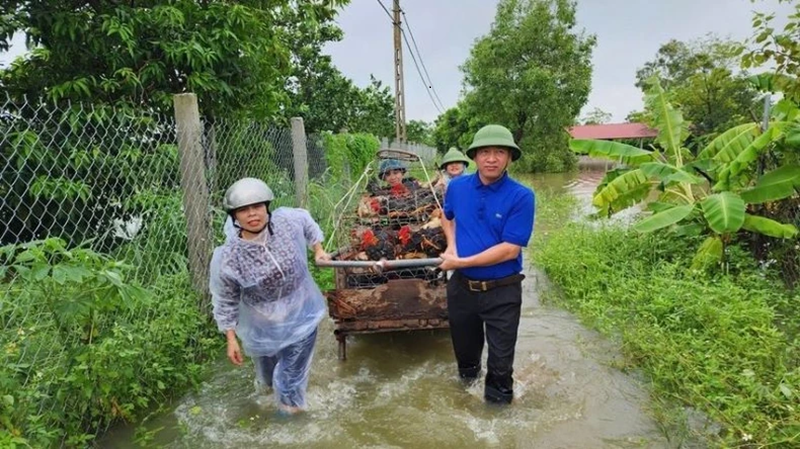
[628,32]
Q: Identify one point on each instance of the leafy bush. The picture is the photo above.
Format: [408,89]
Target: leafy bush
[83,347]
[347,155]
[723,343]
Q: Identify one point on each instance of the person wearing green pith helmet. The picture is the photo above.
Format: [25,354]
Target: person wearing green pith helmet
[488,219]
[453,165]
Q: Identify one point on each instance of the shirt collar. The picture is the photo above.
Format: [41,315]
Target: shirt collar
[495,186]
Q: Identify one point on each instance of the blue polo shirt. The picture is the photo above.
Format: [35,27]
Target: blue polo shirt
[486,215]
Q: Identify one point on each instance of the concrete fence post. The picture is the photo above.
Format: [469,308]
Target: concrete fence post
[196,198]
[300,151]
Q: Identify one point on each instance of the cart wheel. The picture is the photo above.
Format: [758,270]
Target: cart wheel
[342,346]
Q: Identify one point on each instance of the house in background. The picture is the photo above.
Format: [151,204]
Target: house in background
[611,131]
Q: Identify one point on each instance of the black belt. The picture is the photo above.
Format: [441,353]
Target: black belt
[485,286]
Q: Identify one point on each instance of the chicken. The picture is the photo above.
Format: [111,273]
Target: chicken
[371,206]
[378,244]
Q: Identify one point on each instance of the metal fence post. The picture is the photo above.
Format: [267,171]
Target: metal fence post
[300,152]
[195,190]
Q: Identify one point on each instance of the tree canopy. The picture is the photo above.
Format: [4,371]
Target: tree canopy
[596,116]
[704,78]
[532,74]
[236,57]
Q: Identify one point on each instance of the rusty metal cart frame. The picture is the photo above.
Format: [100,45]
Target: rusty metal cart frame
[422,304]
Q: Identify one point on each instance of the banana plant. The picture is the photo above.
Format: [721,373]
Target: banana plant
[707,194]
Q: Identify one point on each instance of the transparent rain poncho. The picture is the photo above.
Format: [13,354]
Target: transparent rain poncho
[263,289]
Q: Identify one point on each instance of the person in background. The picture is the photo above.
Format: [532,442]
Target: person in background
[263,293]
[392,171]
[453,165]
[488,219]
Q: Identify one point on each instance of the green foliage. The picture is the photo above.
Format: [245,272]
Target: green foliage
[454,129]
[95,163]
[596,116]
[723,344]
[532,74]
[235,57]
[348,155]
[328,101]
[83,346]
[245,148]
[778,47]
[418,131]
[702,195]
[703,77]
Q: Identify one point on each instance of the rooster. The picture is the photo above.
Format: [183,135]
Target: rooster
[371,206]
[377,244]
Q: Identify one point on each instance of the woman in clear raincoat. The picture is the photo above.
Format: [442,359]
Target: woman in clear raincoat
[263,293]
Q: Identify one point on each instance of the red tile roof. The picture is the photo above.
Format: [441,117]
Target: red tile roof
[613,131]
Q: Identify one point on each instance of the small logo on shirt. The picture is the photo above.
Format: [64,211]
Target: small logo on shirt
[498,216]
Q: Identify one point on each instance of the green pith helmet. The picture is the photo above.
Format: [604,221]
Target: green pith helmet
[453,155]
[494,136]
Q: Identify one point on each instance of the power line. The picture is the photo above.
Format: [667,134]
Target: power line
[413,58]
[386,10]
[428,84]
[422,62]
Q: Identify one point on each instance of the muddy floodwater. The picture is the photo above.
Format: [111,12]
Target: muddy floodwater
[402,391]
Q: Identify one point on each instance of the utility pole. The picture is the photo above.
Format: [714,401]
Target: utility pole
[399,94]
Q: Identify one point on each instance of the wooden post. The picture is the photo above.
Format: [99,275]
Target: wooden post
[300,151]
[195,191]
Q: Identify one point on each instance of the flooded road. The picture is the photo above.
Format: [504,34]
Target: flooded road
[401,390]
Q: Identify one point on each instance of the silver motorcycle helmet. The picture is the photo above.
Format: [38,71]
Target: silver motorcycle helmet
[246,192]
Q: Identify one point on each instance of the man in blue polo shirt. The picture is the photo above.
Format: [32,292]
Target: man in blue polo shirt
[488,220]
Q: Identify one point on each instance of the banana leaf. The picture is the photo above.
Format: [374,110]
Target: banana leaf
[659,206]
[667,173]
[766,226]
[746,157]
[668,120]
[724,212]
[776,185]
[732,141]
[709,253]
[619,187]
[613,151]
[664,219]
[689,230]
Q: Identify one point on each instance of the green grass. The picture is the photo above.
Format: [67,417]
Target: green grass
[724,344]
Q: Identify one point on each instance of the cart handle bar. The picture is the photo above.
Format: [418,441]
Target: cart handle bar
[380,265]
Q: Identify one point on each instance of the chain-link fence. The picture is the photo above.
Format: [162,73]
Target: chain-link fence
[108,220]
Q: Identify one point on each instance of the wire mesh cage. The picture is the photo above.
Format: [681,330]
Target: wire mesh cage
[391,214]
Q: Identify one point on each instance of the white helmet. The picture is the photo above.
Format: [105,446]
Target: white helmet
[245,192]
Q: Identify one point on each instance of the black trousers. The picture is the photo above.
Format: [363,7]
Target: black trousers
[493,315]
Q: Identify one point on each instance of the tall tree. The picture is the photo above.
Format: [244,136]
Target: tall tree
[420,131]
[235,56]
[703,77]
[375,112]
[453,129]
[779,47]
[323,96]
[532,73]
[596,116]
